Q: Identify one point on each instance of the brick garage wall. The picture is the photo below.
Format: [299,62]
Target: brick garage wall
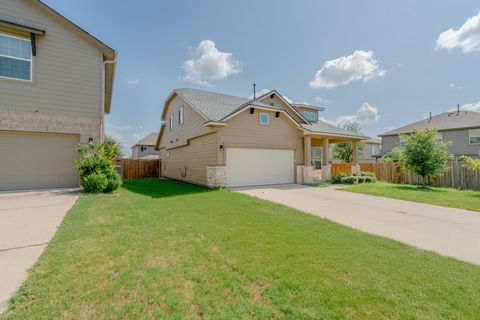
[86,127]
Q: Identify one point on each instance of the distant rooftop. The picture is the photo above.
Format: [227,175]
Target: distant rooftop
[149,140]
[444,121]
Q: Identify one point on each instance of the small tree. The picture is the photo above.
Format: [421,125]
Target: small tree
[344,150]
[470,163]
[424,154]
[115,145]
[393,156]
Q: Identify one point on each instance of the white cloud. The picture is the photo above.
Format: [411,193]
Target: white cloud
[126,134]
[366,114]
[475,106]
[209,64]
[133,81]
[321,100]
[361,65]
[451,85]
[467,37]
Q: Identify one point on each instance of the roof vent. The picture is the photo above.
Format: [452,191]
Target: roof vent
[272,96]
[430,116]
[458,109]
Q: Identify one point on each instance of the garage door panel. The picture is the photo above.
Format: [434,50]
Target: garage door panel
[36,160]
[249,167]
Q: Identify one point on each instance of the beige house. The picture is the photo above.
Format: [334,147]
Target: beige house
[221,140]
[461,128]
[56,84]
[145,148]
[372,150]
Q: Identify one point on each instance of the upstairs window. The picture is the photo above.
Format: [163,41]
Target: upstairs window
[15,58]
[474,136]
[143,149]
[263,118]
[170,123]
[180,116]
[310,116]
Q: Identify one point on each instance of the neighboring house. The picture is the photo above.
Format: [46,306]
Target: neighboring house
[221,140]
[56,84]
[145,148]
[372,150]
[461,128]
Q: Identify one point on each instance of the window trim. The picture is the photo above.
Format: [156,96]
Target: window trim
[315,115]
[181,116]
[17,58]
[470,137]
[170,123]
[260,114]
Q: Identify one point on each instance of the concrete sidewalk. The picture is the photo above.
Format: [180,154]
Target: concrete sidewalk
[28,220]
[447,231]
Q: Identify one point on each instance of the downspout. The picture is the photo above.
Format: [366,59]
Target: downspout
[102,100]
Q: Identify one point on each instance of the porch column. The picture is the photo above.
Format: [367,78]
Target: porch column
[355,165]
[307,149]
[326,168]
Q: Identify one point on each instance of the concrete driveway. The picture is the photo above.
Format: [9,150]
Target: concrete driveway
[450,232]
[28,220]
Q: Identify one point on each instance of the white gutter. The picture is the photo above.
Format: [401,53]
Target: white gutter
[102,100]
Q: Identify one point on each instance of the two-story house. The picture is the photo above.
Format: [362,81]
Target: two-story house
[222,140]
[56,83]
[145,148]
[461,128]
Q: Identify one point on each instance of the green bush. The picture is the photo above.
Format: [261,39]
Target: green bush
[94,182]
[350,180]
[367,174]
[337,178]
[114,181]
[96,168]
[361,179]
[370,179]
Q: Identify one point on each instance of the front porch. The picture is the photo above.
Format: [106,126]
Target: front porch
[316,155]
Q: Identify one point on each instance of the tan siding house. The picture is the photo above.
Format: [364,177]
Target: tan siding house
[56,83]
[221,140]
[460,128]
[145,148]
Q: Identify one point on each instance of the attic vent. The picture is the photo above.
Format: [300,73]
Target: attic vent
[277,114]
[272,96]
[252,110]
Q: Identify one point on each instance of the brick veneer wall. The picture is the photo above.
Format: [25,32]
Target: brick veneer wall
[86,127]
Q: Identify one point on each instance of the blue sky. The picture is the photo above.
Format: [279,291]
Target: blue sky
[381,63]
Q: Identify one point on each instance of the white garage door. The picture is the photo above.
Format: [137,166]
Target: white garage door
[251,167]
[37,160]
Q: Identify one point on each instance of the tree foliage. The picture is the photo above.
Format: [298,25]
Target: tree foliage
[424,154]
[393,156]
[470,163]
[344,151]
[115,145]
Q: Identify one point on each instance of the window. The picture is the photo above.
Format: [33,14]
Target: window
[180,116]
[439,136]
[264,118]
[474,136]
[310,115]
[403,139]
[143,148]
[170,124]
[15,58]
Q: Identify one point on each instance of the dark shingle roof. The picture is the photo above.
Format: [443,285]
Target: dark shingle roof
[443,121]
[217,106]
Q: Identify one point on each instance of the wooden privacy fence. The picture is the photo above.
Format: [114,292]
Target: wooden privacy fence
[341,168]
[456,176]
[137,169]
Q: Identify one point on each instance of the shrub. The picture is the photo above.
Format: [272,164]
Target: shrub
[361,179]
[114,181]
[337,178]
[370,179]
[96,168]
[94,182]
[350,180]
[367,174]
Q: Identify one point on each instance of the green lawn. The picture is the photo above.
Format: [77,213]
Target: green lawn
[463,199]
[165,250]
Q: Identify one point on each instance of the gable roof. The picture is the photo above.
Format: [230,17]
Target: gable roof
[218,107]
[444,121]
[149,140]
[109,54]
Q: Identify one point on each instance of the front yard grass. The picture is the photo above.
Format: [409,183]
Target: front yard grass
[166,250]
[447,197]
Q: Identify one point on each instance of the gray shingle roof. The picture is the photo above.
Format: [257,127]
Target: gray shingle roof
[216,106]
[149,140]
[443,121]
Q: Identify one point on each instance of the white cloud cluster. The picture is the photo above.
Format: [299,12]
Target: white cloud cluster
[467,37]
[208,63]
[475,106]
[321,100]
[128,135]
[366,114]
[133,81]
[361,65]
